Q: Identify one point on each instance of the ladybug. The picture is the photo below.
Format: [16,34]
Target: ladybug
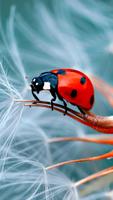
[68,85]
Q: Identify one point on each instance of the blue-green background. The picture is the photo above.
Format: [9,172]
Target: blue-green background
[52,34]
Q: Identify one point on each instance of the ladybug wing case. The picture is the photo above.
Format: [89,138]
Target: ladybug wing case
[75,87]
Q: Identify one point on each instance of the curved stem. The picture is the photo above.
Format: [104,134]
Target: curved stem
[94,176]
[100,157]
[91,140]
[99,123]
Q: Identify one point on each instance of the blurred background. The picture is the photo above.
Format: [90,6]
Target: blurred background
[37,36]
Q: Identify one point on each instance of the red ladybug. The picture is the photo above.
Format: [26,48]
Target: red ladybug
[68,85]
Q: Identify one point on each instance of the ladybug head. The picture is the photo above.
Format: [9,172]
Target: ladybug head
[37,84]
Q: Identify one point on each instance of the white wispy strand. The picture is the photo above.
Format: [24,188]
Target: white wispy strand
[11,44]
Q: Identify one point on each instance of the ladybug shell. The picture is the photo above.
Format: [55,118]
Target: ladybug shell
[75,87]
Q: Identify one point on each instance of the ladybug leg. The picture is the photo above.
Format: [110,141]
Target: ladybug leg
[35,96]
[65,104]
[82,111]
[53,93]
[65,107]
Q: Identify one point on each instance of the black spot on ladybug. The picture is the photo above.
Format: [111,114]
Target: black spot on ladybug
[83,80]
[92,100]
[73,93]
[61,71]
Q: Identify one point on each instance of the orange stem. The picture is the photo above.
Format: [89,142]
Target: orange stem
[100,157]
[91,140]
[94,176]
[99,123]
